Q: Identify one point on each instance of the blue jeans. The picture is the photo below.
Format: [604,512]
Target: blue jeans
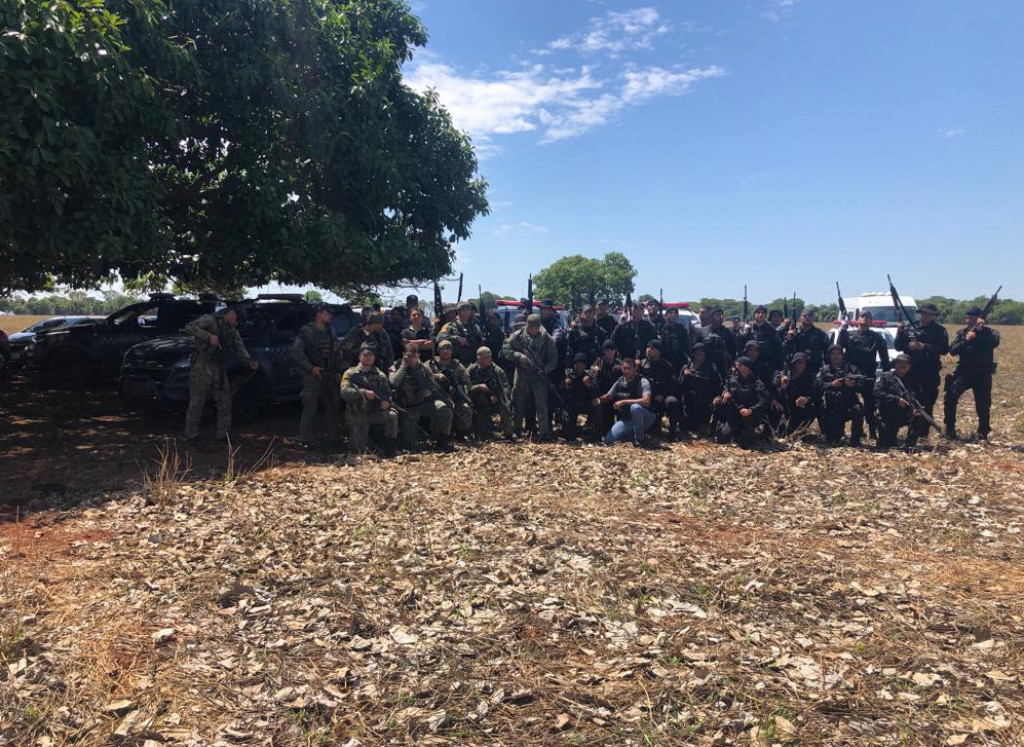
[640,419]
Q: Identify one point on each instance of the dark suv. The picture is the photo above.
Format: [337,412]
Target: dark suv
[155,373]
[74,357]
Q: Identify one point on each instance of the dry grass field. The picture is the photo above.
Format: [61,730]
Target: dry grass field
[528,595]
[11,323]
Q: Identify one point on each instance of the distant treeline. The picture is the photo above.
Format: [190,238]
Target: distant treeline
[951,310]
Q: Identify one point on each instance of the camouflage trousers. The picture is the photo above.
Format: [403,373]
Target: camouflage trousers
[202,380]
[437,412]
[327,391]
[483,412]
[527,389]
[360,420]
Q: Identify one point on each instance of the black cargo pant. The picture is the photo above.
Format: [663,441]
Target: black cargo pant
[730,426]
[978,380]
[833,423]
[669,405]
[890,419]
[929,381]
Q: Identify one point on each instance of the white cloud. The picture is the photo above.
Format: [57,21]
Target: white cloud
[561,104]
[614,33]
[779,9]
[522,228]
[951,133]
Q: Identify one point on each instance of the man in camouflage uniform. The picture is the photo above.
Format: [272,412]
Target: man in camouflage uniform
[464,334]
[367,396]
[490,393]
[216,335]
[317,352]
[533,352]
[420,397]
[372,333]
[451,376]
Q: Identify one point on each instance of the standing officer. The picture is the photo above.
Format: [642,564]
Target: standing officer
[463,333]
[585,336]
[767,338]
[675,339]
[605,320]
[367,396]
[216,335]
[807,339]
[533,352]
[633,333]
[371,333]
[317,352]
[973,347]
[863,347]
[719,340]
[925,345]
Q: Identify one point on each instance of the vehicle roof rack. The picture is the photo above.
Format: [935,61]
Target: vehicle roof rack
[161,296]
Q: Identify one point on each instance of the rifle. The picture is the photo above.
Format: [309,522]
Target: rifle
[661,300]
[916,404]
[991,304]
[899,308]
[438,306]
[384,396]
[426,379]
[529,295]
[458,298]
[480,300]
[785,308]
[746,306]
[842,303]
[517,345]
[453,384]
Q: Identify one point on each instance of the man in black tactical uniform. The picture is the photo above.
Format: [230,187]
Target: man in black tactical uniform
[655,316]
[807,339]
[700,383]
[605,321]
[894,394]
[719,341]
[840,383]
[606,372]
[925,345]
[665,399]
[800,392]
[579,391]
[675,340]
[974,348]
[865,349]
[633,334]
[585,337]
[767,339]
[741,411]
[317,352]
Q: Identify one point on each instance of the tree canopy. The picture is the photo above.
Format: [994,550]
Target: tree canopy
[224,142]
[576,280]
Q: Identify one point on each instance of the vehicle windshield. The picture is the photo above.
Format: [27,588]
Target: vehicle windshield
[887,314]
[45,325]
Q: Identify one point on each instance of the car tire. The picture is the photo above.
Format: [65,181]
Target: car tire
[69,369]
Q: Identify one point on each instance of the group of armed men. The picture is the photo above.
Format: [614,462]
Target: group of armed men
[627,376]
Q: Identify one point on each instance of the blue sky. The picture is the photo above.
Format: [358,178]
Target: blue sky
[785,144]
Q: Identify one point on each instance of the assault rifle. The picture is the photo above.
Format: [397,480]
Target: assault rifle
[746,306]
[915,403]
[454,385]
[425,380]
[529,295]
[991,304]
[899,308]
[516,343]
[458,298]
[438,308]
[480,300]
[842,303]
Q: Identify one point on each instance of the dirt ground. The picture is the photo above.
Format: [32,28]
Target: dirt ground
[509,594]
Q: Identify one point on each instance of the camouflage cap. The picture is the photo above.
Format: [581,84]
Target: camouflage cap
[448,308]
[371,349]
[484,352]
[752,344]
[744,361]
[902,358]
[533,320]
[464,305]
[444,344]
[374,318]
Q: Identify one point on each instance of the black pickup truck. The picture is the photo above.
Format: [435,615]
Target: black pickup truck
[155,373]
[75,357]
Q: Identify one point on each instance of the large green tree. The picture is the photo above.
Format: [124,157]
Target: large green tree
[575,279]
[223,142]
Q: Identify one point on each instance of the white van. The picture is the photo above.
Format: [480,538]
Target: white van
[880,306]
